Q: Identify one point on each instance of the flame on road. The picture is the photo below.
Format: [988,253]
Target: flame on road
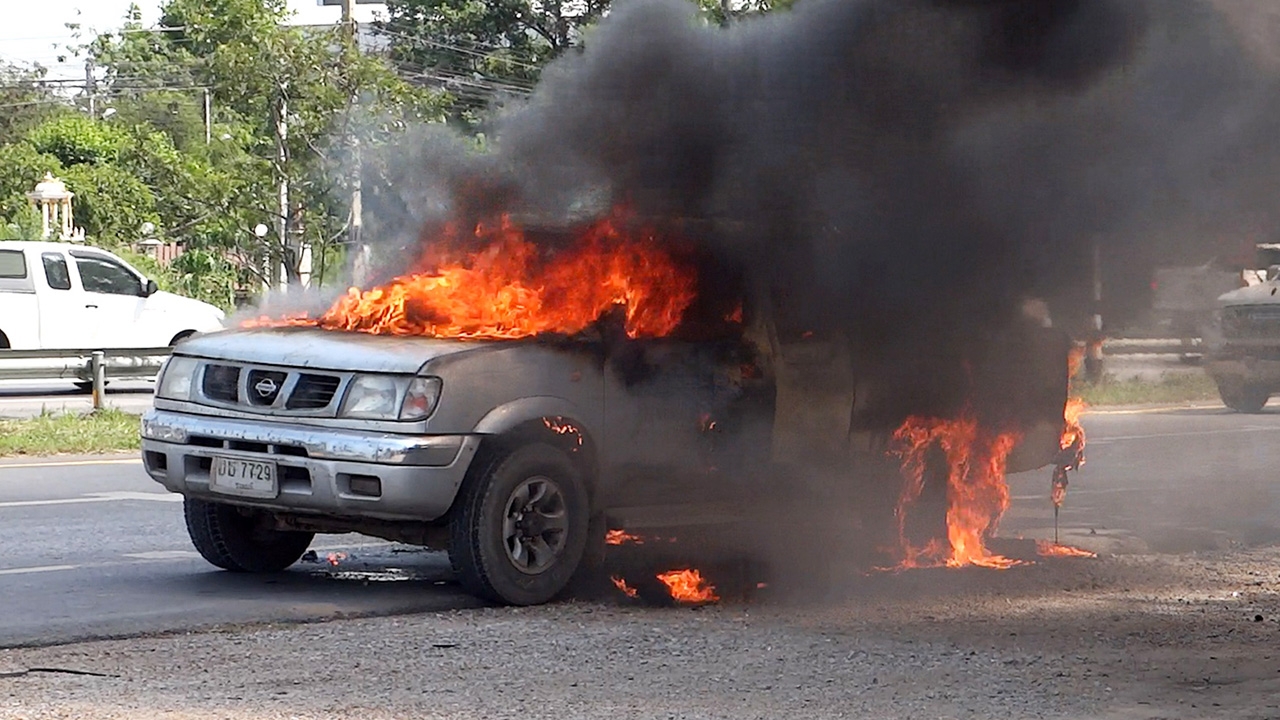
[688,586]
[1051,549]
[977,494]
[622,537]
[626,589]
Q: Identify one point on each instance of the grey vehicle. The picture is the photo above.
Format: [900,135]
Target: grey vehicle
[1243,346]
[515,456]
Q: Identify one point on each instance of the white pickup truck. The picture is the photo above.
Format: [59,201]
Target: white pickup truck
[55,296]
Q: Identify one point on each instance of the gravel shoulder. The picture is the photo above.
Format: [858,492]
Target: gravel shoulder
[1124,638]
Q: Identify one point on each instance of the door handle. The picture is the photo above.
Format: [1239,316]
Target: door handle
[95,307]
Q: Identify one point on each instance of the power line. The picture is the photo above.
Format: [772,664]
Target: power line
[512,53]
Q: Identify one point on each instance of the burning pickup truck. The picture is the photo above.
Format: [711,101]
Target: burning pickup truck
[512,406]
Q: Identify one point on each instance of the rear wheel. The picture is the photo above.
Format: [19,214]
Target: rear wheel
[234,541]
[1245,398]
[519,528]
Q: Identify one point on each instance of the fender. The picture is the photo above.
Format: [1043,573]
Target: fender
[506,417]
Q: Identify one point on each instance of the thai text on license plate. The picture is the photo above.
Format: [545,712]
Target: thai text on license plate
[249,478]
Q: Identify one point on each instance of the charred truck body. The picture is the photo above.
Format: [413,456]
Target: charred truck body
[517,455]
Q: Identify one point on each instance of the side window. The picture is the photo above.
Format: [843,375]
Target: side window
[56,271]
[12,264]
[101,275]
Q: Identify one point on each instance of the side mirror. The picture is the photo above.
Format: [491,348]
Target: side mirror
[150,288]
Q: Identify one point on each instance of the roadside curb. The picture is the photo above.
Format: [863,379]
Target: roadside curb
[1152,408]
[120,458]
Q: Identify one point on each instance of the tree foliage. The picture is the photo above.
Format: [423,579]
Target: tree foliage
[288,105]
[24,101]
[478,50]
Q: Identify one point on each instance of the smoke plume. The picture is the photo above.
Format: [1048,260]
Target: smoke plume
[907,172]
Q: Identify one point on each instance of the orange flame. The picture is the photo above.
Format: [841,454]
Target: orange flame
[334,558]
[688,586]
[1072,443]
[622,537]
[1072,430]
[977,494]
[1051,549]
[509,289]
[622,585]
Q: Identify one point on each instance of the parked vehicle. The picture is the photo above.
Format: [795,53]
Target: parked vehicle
[62,296]
[515,456]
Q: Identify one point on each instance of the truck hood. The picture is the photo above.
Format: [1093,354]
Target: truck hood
[1262,294]
[324,349]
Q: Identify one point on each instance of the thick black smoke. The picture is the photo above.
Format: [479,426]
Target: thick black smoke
[909,172]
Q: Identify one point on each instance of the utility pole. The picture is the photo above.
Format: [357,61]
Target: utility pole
[1093,361]
[208,117]
[280,258]
[91,88]
[355,244]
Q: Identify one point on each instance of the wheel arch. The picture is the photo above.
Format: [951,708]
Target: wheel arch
[552,420]
[4,341]
[181,336]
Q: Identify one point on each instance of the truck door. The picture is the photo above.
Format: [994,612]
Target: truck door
[66,321]
[686,422]
[115,295]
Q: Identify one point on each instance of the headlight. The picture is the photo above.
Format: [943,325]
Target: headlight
[391,397]
[176,378]
[420,398]
[375,397]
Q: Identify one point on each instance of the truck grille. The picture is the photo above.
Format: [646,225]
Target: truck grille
[1251,321]
[221,382]
[269,389]
[313,391]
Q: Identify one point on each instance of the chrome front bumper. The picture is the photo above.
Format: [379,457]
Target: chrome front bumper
[418,475]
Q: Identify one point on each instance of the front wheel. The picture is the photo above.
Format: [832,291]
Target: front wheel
[1244,398]
[232,540]
[519,528]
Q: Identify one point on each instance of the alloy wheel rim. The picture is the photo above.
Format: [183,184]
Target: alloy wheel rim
[535,525]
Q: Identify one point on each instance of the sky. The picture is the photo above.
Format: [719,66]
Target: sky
[34,31]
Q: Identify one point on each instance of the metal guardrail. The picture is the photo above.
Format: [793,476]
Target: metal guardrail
[88,366]
[97,366]
[1152,346]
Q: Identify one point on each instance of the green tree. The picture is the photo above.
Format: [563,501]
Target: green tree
[478,50]
[24,166]
[290,105]
[24,101]
[723,12]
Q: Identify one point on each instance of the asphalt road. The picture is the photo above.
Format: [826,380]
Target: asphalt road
[28,398]
[93,548]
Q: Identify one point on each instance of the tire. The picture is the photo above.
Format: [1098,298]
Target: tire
[494,553]
[234,541]
[1244,398]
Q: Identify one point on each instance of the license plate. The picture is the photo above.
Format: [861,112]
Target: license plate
[247,478]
